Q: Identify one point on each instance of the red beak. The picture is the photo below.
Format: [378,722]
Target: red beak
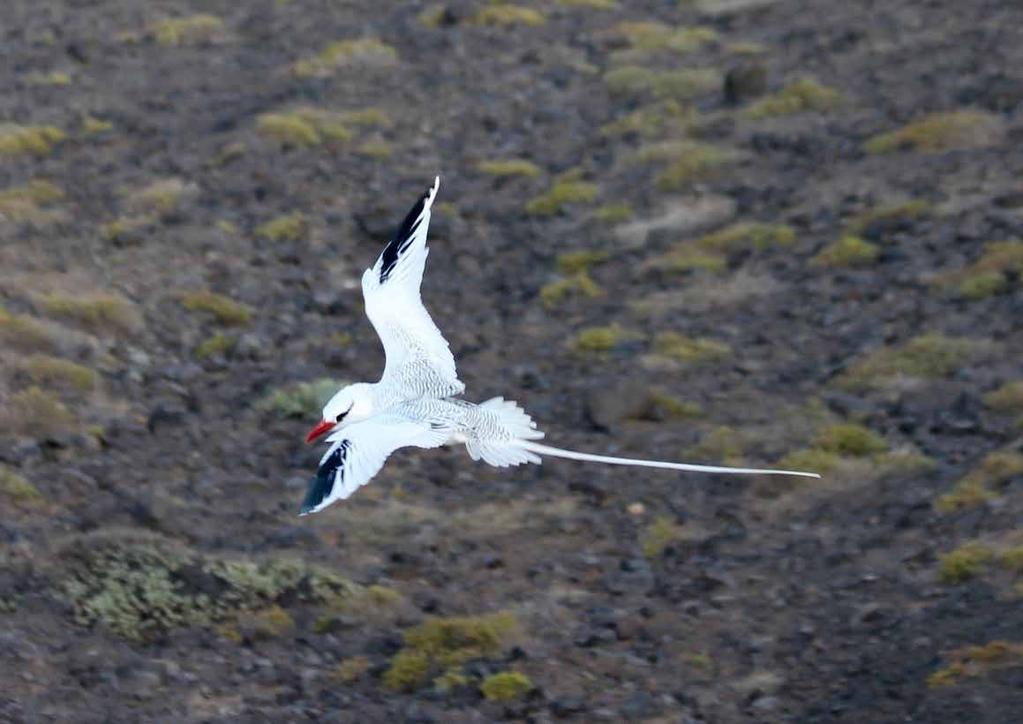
[320,430]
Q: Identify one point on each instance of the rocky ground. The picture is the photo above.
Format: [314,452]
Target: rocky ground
[723,231]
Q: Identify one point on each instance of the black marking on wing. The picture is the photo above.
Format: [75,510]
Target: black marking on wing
[332,469]
[402,238]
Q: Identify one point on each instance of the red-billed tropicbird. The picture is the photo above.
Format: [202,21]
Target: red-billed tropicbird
[414,404]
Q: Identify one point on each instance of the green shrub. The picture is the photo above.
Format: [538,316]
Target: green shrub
[224,309]
[440,644]
[561,194]
[96,312]
[509,167]
[305,399]
[16,140]
[800,96]
[140,586]
[849,251]
[928,356]
[506,686]
[965,562]
[941,132]
[191,30]
[289,227]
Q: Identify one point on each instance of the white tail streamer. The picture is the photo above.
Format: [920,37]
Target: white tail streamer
[586,457]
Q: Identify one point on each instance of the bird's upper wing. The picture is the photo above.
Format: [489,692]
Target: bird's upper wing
[358,451]
[419,362]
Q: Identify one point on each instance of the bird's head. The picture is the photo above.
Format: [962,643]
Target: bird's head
[350,404]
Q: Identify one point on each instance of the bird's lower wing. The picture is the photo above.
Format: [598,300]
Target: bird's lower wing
[419,360]
[357,453]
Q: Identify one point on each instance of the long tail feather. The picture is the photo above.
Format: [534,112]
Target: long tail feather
[586,457]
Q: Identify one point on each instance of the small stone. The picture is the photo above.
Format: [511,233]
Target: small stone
[566,706]
[636,509]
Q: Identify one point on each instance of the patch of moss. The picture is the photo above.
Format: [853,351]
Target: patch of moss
[17,140]
[928,356]
[685,259]
[747,235]
[654,121]
[126,229]
[660,405]
[975,661]
[439,644]
[96,312]
[92,126]
[614,213]
[307,126]
[980,484]
[848,251]
[305,399]
[506,686]
[56,78]
[50,371]
[351,669]
[141,586]
[991,273]
[850,439]
[965,562]
[216,345]
[722,445]
[580,284]
[346,53]
[997,468]
[689,349]
[224,309]
[290,227]
[24,333]
[162,197]
[886,215]
[983,285]
[28,202]
[573,262]
[645,38]
[379,150]
[37,413]
[190,30]
[509,167]
[658,535]
[698,162]
[683,84]
[1007,398]
[269,623]
[598,339]
[561,194]
[508,15]
[812,460]
[965,494]
[801,96]
[16,490]
[291,128]
[941,132]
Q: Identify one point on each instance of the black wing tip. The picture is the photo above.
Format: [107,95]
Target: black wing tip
[405,230]
[319,488]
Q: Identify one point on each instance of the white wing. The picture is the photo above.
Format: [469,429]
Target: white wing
[419,362]
[359,451]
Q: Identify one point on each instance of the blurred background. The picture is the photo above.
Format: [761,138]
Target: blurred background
[720,231]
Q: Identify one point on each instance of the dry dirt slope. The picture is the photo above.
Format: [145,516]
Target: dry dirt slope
[718,231]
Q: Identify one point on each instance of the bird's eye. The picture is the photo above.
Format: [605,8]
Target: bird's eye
[340,417]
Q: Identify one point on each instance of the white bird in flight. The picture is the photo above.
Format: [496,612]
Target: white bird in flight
[415,402]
